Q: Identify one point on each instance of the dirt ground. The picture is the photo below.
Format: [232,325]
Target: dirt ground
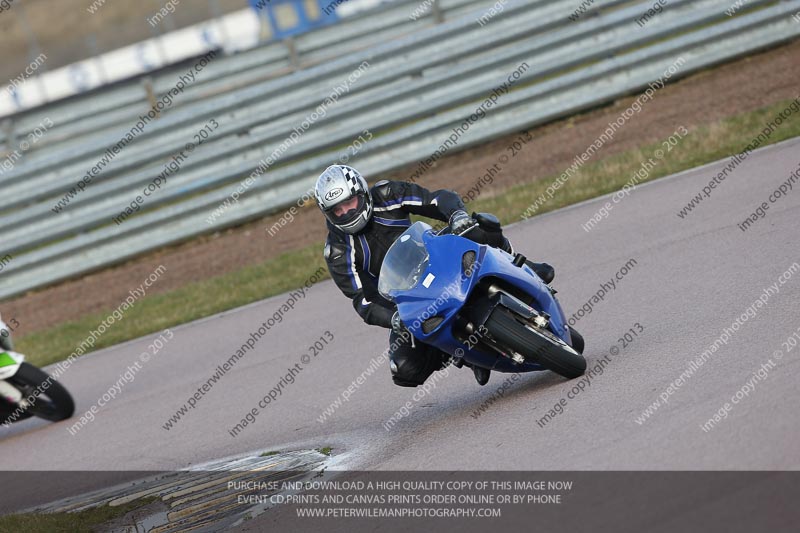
[66,32]
[736,87]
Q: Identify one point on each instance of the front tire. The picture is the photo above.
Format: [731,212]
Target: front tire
[53,404]
[535,347]
[577,340]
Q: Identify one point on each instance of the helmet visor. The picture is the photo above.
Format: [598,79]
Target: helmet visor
[346,214]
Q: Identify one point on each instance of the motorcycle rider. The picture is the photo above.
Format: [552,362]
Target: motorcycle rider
[5,345]
[362,224]
[5,336]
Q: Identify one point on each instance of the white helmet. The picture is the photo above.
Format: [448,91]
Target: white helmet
[340,183]
[5,337]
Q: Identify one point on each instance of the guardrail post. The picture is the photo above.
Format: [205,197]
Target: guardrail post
[291,46]
[8,128]
[436,11]
[150,93]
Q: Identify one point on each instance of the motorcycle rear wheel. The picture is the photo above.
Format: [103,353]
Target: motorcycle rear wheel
[54,403]
[535,346]
[9,409]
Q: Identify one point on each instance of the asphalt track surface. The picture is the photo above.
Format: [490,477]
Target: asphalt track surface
[692,278]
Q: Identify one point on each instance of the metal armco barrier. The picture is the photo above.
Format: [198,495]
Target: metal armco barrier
[414,91]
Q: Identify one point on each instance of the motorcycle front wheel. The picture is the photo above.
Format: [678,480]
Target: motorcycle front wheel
[535,345]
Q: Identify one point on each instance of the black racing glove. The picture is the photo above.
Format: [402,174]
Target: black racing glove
[460,221]
[397,325]
[401,330]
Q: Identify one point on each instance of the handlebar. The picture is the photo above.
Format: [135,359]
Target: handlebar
[447,230]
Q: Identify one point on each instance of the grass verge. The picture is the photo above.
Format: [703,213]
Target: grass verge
[269,454]
[195,300]
[80,522]
[289,271]
[703,144]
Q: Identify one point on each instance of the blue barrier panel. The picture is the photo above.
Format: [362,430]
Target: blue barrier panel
[304,19]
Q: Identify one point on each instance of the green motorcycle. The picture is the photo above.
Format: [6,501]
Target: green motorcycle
[26,390]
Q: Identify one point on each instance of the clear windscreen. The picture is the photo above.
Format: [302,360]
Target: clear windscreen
[405,262]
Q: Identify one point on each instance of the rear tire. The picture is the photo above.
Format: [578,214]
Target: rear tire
[6,410]
[53,404]
[535,347]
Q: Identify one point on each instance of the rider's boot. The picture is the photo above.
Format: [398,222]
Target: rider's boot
[543,270]
[481,375]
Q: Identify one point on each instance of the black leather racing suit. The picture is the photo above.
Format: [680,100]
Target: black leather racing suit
[354,262]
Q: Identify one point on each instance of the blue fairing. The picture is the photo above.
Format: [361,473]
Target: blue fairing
[442,289]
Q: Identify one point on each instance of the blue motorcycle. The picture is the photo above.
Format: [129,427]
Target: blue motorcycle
[480,304]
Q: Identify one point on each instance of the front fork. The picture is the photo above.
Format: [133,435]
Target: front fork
[496,296]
